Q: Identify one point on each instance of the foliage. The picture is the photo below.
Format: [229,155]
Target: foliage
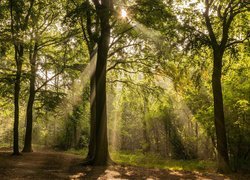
[160,62]
[156,161]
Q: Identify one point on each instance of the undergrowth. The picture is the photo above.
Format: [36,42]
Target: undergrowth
[151,160]
[156,161]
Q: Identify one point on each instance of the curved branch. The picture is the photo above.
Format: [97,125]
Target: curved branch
[209,25]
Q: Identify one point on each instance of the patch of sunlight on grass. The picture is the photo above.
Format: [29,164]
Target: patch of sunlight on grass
[81,152]
[5,147]
[156,161]
[39,147]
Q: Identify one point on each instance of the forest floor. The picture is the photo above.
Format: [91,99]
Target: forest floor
[59,165]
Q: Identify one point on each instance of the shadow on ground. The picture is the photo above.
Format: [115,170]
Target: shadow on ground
[56,165]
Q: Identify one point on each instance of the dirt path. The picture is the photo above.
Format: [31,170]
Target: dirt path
[54,165]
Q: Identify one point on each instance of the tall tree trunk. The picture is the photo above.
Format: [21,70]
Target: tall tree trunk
[18,25]
[92,140]
[101,156]
[222,150]
[29,112]
[18,57]
[91,41]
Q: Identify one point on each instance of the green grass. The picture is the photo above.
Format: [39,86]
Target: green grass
[5,145]
[81,152]
[148,160]
[156,161]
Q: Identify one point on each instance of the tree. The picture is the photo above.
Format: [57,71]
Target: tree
[90,33]
[103,10]
[32,93]
[38,30]
[216,33]
[219,46]
[19,24]
[91,41]
[83,14]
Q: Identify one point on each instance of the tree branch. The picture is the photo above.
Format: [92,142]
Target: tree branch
[85,35]
[238,41]
[96,3]
[119,36]
[25,25]
[48,80]
[209,25]
[121,48]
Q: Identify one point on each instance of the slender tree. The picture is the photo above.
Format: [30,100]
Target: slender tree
[19,24]
[39,28]
[212,28]
[32,93]
[219,46]
[90,32]
[89,23]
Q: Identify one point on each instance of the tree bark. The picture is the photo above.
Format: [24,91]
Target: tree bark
[101,154]
[220,129]
[29,112]
[18,58]
[91,41]
[92,140]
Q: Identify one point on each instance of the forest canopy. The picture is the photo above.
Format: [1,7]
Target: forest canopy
[115,79]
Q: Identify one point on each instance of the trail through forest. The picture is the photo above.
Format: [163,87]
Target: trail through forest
[58,165]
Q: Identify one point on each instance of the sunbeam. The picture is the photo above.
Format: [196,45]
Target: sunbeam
[74,95]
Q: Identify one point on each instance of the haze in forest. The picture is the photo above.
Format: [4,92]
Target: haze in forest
[125,84]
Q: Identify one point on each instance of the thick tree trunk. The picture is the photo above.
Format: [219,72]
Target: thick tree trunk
[101,156]
[92,140]
[18,58]
[222,150]
[92,54]
[29,112]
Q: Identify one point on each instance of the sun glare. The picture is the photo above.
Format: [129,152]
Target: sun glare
[123,13]
[201,7]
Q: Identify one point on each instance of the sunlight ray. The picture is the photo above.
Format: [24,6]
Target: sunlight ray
[74,95]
